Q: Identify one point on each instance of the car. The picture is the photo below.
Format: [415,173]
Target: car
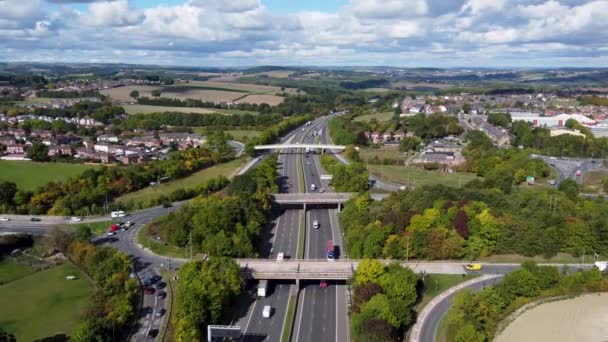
[167,205]
[473,267]
[128,224]
[149,290]
[160,285]
[553,182]
[111,233]
[160,312]
[4,218]
[280,256]
[35,219]
[315,224]
[323,284]
[155,278]
[75,219]
[161,295]
[152,332]
[552,158]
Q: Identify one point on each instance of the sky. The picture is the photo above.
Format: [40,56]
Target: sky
[224,33]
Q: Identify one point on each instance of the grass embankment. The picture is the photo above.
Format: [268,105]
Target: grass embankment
[367,155]
[145,238]
[383,116]
[302,221]
[30,175]
[289,317]
[226,169]
[592,181]
[44,304]
[419,177]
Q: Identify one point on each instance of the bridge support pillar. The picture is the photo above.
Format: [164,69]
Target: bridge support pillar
[304,208]
[339,207]
[298,283]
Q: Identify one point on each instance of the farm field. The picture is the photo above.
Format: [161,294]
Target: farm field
[205,91]
[418,177]
[383,116]
[368,154]
[227,169]
[146,109]
[272,100]
[29,175]
[11,271]
[52,309]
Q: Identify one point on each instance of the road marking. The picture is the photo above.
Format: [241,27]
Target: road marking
[301,313]
[249,320]
[306,232]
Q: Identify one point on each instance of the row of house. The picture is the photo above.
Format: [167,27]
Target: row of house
[441,152]
[385,137]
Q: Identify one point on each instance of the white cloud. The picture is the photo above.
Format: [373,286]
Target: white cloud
[112,13]
[388,8]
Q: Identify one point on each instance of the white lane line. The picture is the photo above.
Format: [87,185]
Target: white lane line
[301,313]
[306,232]
[337,305]
[249,320]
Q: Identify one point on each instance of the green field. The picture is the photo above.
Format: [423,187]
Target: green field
[204,87]
[29,175]
[234,111]
[243,135]
[11,271]
[366,155]
[44,304]
[383,116]
[226,169]
[147,109]
[418,176]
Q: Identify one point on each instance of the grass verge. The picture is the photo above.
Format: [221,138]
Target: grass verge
[560,258]
[166,328]
[30,175]
[443,331]
[438,283]
[289,317]
[301,235]
[32,312]
[96,227]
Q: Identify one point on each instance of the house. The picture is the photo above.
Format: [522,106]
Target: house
[42,134]
[135,158]
[64,150]
[500,136]
[116,149]
[387,136]
[15,149]
[398,135]
[185,139]
[101,147]
[148,141]
[438,157]
[7,140]
[91,154]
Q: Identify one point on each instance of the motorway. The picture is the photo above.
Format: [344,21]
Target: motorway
[322,313]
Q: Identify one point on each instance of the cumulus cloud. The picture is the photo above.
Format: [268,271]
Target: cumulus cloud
[220,32]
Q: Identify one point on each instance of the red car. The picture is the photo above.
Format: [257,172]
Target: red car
[323,284]
[149,291]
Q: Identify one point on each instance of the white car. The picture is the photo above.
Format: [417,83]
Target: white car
[111,233]
[4,218]
[281,256]
[315,224]
[75,219]
[266,311]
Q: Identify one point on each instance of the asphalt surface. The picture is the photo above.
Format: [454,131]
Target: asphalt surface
[322,312]
[282,237]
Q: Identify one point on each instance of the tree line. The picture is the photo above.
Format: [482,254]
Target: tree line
[263,108]
[346,178]
[155,121]
[227,224]
[88,193]
[383,301]
[67,94]
[439,222]
[113,302]
[476,316]
[273,133]
[103,112]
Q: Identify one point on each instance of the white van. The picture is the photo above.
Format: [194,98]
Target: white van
[313,187]
[266,311]
[119,213]
[280,256]
[315,224]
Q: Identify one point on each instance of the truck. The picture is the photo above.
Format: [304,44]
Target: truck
[262,286]
[601,265]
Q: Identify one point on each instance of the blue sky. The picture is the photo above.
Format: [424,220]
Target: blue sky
[407,33]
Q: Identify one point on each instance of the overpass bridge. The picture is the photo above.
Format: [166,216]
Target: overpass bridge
[319,198]
[310,146]
[343,269]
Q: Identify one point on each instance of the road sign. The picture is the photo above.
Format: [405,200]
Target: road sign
[215,332]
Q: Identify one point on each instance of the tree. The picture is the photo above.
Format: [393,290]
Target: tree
[6,337]
[478,140]
[7,192]
[460,224]
[369,271]
[134,94]
[569,187]
[84,233]
[605,184]
[500,119]
[410,144]
[38,152]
